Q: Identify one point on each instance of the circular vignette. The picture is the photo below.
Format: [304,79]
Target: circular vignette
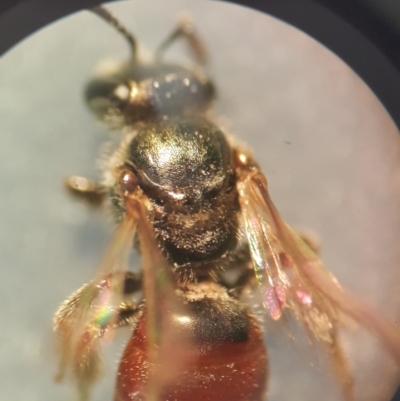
[358,37]
[351,31]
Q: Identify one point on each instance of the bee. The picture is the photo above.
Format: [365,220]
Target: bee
[196,206]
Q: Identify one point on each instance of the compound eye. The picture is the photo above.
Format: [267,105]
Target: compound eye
[128,183]
[104,95]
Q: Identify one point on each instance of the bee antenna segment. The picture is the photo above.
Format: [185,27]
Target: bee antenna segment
[113,21]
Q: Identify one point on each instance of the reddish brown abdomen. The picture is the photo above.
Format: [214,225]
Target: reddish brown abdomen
[227,361]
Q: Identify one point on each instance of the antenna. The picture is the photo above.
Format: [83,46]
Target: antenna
[113,21]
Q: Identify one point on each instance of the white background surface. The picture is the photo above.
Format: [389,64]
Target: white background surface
[329,149]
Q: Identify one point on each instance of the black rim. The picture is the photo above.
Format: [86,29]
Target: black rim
[356,33]
[352,29]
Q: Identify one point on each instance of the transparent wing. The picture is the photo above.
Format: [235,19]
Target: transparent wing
[165,342]
[292,277]
[92,312]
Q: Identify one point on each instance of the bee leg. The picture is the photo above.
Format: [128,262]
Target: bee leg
[184,30]
[339,364]
[87,362]
[245,280]
[310,239]
[86,318]
[86,190]
[239,273]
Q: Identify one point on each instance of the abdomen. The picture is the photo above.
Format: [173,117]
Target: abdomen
[227,360]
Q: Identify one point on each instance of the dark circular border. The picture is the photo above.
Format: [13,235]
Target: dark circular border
[349,28]
[353,30]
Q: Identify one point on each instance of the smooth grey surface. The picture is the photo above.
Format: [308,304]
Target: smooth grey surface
[328,148]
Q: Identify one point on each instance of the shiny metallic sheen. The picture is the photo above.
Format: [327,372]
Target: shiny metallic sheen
[185,166]
[188,157]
